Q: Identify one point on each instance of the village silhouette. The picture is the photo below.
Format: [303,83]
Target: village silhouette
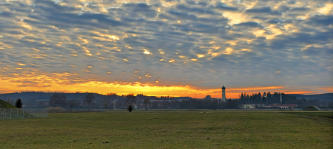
[60,102]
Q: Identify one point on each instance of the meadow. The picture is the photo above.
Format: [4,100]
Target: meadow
[171,130]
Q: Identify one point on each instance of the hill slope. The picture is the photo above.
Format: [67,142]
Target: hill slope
[4,104]
[323,97]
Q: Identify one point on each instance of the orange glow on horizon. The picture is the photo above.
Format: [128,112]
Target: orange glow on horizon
[62,82]
[327,89]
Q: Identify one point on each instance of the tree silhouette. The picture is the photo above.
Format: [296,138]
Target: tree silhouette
[130,108]
[131,99]
[58,100]
[18,103]
[89,99]
[147,103]
[73,103]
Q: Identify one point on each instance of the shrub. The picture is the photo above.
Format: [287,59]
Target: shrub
[18,103]
[130,108]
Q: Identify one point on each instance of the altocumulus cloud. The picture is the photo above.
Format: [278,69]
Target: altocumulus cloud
[175,42]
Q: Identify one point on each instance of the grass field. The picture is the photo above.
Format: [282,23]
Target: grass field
[171,129]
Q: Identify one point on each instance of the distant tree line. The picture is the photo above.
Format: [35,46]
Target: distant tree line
[60,100]
[110,101]
[266,98]
[113,101]
[91,101]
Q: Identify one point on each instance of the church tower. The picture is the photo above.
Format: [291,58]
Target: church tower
[223,94]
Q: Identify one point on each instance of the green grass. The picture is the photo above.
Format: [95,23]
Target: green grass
[171,129]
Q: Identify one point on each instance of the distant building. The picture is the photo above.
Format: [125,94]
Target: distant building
[223,94]
[248,106]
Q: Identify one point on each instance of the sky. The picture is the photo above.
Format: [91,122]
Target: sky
[166,47]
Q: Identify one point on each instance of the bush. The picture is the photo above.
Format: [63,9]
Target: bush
[130,108]
[18,103]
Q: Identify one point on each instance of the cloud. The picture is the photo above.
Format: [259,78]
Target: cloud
[225,7]
[197,43]
[135,10]
[249,24]
[198,10]
[321,20]
[266,10]
[64,16]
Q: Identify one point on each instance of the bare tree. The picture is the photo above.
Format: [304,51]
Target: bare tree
[89,100]
[73,103]
[58,100]
[130,102]
[147,103]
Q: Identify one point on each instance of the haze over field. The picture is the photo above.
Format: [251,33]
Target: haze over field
[166,47]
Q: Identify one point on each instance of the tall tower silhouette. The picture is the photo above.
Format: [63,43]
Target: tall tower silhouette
[223,94]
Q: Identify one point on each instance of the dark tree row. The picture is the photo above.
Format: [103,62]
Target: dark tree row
[267,98]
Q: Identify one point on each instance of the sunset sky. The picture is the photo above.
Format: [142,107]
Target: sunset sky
[166,47]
